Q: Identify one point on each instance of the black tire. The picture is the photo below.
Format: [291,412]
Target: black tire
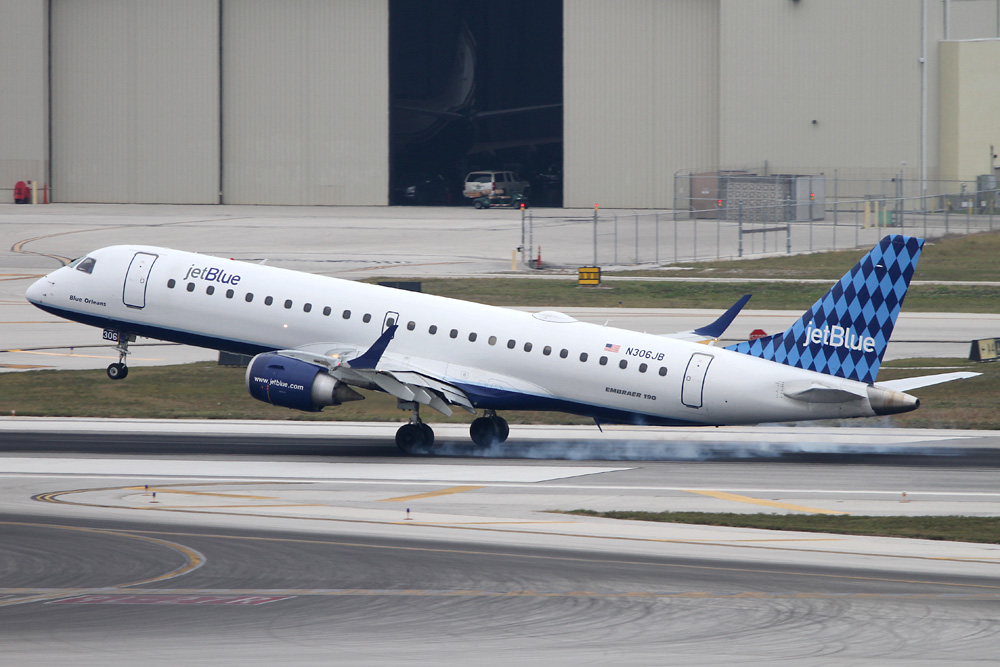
[428,433]
[479,203]
[117,371]
[414,438]
[503,429]
[484,431]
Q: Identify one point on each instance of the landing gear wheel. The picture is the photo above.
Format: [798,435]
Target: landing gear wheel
[503,430]
[484,431]
[414,438]
[117,371]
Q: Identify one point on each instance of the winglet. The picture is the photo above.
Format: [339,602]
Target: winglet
[719,326]
[370,358]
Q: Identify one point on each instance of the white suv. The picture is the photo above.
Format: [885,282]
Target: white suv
[488,183]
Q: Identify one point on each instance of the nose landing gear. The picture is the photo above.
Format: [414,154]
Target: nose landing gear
[119,371]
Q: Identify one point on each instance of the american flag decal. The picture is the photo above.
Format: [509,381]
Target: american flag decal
[611,348]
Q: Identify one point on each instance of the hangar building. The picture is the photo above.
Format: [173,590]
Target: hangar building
[341,102]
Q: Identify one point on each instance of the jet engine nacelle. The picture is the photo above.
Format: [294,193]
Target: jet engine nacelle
[296,384]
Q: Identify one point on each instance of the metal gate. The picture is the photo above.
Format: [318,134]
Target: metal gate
[134,295]
[694,380]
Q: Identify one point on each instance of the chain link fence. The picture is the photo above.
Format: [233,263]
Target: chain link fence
[756,218]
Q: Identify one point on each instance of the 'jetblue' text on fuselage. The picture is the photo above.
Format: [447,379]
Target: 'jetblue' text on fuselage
[212,275]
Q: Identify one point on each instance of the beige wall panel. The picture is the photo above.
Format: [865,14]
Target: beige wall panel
[305,99]
[640,98]
[969,102]
[852,66]
[135,110]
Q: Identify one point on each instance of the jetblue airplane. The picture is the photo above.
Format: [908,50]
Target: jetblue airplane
[316,340]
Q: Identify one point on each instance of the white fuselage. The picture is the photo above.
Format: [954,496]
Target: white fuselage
[503,359]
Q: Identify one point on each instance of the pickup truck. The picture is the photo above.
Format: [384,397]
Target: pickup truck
[489,183]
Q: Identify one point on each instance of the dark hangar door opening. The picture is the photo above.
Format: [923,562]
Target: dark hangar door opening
[474,85]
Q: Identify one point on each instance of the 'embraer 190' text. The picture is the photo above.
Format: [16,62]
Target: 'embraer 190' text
[838,336]
[212,275]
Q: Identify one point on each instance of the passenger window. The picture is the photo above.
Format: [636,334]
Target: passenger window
[171,283]
[367,318]
[583,356]
[190,287]
[411,325]
[603,361]
[473,336]
[229,293]
[663,370]
[288,303]
[511,343]
[307,307]
[642,368]
[327,310]
[527,347]
[210,290]
[563,353]
[623,363]
[433,329]
[87,265]
[492,340]
[249,297]
[547,350]
[347,314]
[268,300]
[453,333]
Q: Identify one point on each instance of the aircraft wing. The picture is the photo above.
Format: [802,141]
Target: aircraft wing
[373,369]
[712,332]
[906,384]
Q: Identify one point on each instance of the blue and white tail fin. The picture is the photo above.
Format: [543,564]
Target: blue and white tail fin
[845,333]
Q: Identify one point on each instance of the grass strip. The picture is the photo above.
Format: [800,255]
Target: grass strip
[947,528]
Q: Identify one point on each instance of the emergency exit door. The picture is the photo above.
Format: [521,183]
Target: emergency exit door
[134,295]
[693,388]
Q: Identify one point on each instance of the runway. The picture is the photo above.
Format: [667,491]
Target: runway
[214,545]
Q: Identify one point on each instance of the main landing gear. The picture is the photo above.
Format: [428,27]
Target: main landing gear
[119,371]
[490,429]
[417,437]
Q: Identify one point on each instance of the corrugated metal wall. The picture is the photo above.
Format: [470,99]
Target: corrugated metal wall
[305,99]
[640,98]
[24,129]
[820,85]
[135,104]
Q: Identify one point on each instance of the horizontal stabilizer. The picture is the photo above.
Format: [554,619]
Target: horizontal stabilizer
[907,384]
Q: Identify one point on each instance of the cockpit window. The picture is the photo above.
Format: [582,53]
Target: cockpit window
[86,264]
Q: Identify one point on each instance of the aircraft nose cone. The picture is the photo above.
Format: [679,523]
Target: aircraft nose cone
[38,290]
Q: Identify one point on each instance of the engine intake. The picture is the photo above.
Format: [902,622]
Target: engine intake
[295,384]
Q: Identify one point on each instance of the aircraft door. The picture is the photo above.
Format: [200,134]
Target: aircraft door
[390,319]
[134,294]
[693,388]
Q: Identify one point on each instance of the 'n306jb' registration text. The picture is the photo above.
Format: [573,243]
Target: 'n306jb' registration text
[644,354]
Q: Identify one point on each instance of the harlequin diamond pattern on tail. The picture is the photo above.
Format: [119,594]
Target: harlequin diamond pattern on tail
[845,333]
